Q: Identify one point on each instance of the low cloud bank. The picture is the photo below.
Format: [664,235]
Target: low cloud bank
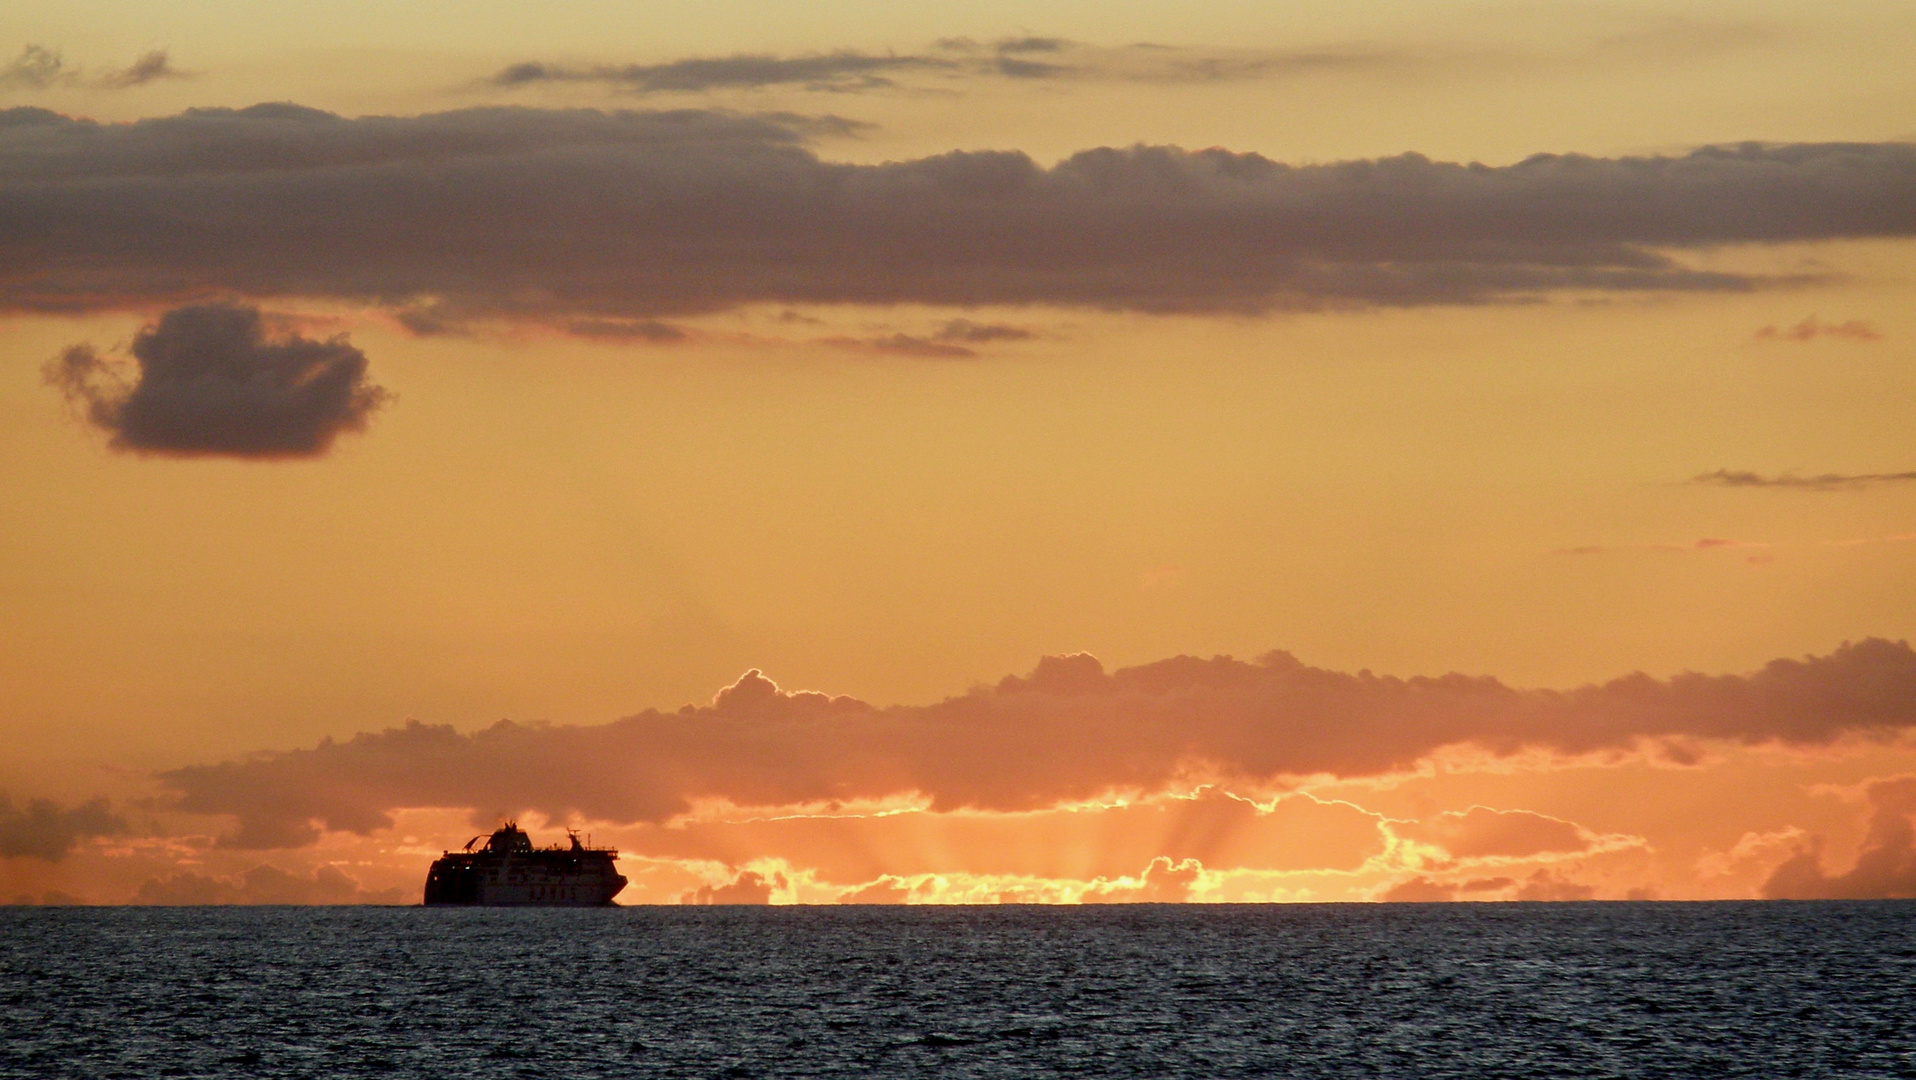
[558,215]
[264,885]
[209,381]
[1069,731]
[43,829]
[1885,867]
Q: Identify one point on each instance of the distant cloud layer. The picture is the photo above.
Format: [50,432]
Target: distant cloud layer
[1812,328]
[1022,58]
[1819,482]
[1069,731]
[209,381]
[560,215]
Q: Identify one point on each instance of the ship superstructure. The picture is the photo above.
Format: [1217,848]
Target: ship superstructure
[508,871]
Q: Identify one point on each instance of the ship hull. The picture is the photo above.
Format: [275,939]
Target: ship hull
[530,879]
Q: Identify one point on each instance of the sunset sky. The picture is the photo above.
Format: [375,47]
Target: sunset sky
[857,452]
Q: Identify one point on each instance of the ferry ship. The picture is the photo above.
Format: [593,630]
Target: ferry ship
[507,871]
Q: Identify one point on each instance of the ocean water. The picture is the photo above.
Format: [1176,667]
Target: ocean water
[1490,990]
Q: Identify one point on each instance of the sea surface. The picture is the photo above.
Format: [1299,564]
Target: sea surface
[1441,990]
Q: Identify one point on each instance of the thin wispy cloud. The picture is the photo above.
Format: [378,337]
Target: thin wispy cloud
[1736,478]
[40,68]
[1812,328]
[1023,59]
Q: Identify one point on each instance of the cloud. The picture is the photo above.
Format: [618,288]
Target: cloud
[1820,482]
[904,345]
[749,887]
[648,215]
[885,890]
[1067,732]
[210,382]
[650,330]
[850,844]
[43,829]
[1483,833]
[851,71]
[842,71]
[263,885]
[1549,886]
[1544,885]
[37,68]
[1163,882]
[1885,867]
[1812,328]
[966,330]
[149,68]
[1418,890]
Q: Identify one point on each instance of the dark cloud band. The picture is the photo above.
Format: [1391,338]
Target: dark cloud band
[1068,732]
[549,214]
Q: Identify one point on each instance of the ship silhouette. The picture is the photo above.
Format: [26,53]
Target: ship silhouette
[507,871]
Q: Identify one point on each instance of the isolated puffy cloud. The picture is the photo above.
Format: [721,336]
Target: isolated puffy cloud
[210,381]
[564,214]
[44,829]
[1884,868]
[1067,732]
[263,885]
[1819,482]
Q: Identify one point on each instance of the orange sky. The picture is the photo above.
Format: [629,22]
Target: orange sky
[562,366]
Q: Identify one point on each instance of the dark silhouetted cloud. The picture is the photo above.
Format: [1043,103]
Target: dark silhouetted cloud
[1067,732]
[966,330]
[1884,868]
[1018,58]
[43,829]
[210,382]
[1820,482]
[650,330]
[153,66]
[1812,328]
[838,71]
[639,215]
